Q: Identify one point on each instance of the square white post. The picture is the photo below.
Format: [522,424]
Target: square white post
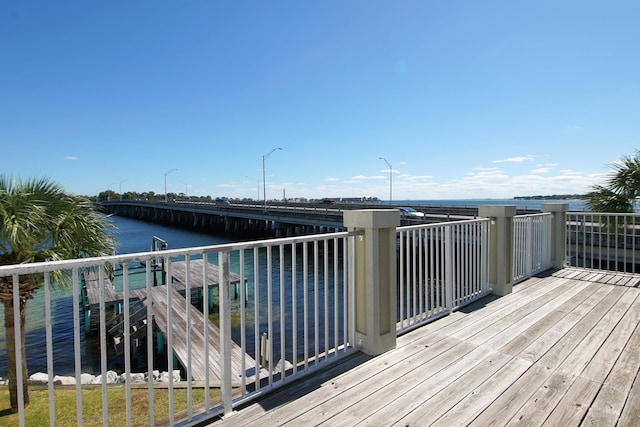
[376,278]
[501,246]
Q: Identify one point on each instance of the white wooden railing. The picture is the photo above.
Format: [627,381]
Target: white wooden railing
[531,245]
[442,267]
[289,313]
[603,241]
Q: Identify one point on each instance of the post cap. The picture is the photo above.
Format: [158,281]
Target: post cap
[371,218]
[554,207]
[496,211]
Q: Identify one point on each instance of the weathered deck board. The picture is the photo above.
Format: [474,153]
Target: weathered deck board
[93,289]
[467,409]
[631,411]
[611,398]
[565,388]
[558,351]
[194,275]
[515,402]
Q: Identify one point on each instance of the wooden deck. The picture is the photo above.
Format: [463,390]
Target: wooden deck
[561,350]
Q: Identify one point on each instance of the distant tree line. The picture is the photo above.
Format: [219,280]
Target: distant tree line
[147,195]
[552,197]
[150,195]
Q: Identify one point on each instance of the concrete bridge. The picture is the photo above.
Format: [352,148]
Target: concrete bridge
[277,219]
[250,219]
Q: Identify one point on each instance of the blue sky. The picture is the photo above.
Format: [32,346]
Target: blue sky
[465,99]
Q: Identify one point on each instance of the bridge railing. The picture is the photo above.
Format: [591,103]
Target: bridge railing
[603,241]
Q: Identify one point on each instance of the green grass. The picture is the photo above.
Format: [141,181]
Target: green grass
[65,405]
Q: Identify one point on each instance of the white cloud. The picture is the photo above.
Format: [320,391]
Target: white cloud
[492,182]
[487,174]
[364,177]
[520,159]
[387,171]
[417,177]
[71,158]
[541,170]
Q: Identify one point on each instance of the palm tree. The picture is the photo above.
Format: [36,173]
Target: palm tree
[41,222]
[603,199]
[621,190]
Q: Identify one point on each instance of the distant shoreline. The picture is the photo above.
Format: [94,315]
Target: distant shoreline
[574,204]
[553,197]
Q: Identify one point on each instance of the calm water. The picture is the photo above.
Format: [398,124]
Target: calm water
[136,236]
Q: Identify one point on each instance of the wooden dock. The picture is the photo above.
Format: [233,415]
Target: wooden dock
[91,299]
[194,350]
[561,350]
[194,275]
[187,352]
[180,276]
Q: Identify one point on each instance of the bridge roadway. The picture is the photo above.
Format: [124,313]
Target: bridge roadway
[278,219]
[236,217]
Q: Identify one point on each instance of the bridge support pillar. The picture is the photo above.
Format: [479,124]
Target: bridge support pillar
[501,244]
[558,232]
[374,265]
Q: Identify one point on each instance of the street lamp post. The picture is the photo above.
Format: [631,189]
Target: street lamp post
[264,176]
[166,198]
[390,180]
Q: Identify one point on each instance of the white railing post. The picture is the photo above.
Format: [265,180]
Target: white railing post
[375,278]
[501,246]
[449,292]
[225,331]
[558,231]
[529,246]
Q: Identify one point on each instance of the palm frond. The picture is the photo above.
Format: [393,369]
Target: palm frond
[626,177]
[41,222]
[603,199]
